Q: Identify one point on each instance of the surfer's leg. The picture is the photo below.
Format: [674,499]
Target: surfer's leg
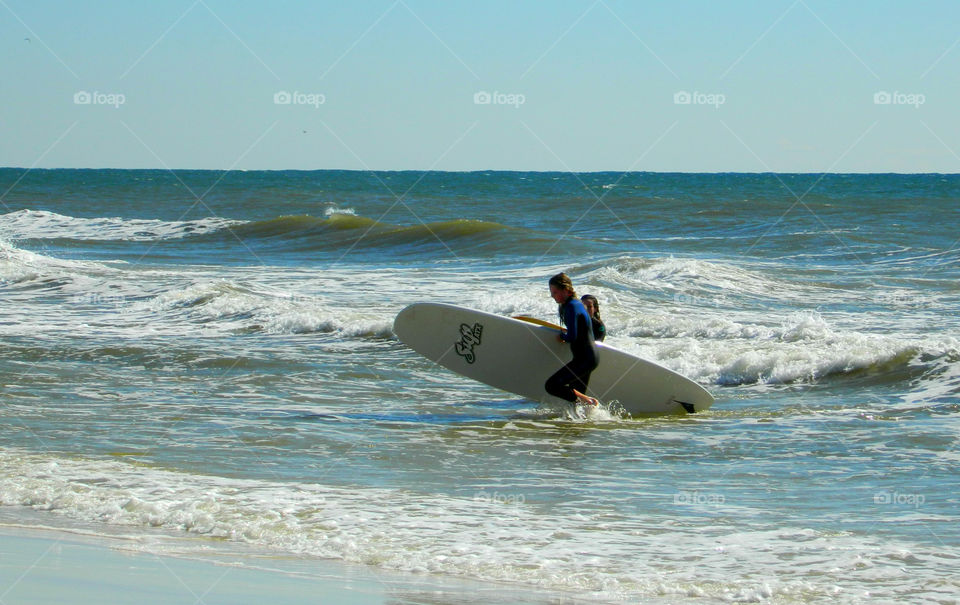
[570,382]
[581,371]
[558,385]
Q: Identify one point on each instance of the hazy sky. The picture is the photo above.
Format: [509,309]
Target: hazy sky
[770,85]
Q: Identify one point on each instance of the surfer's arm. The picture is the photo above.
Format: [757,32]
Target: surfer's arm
[570,319]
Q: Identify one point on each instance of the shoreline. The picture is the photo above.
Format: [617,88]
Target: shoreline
[48,564]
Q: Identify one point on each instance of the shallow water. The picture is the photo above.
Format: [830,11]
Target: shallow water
[221,364]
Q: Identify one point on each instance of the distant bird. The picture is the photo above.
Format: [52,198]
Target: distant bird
[27,39]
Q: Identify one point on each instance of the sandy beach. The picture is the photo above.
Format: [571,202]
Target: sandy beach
[48,565]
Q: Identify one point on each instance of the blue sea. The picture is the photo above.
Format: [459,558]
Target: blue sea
[203,363]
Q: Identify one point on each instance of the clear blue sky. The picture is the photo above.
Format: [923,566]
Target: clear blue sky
[772,85]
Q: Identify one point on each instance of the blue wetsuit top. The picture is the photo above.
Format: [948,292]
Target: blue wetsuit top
[579,329]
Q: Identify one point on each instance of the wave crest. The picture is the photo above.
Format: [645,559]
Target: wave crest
[337,229]
[228,306]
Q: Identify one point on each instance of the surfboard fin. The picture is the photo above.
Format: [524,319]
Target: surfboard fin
[687,406]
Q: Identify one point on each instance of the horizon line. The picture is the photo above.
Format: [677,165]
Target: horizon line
[481,170]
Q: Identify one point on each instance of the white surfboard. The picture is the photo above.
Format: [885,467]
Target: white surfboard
[518,356]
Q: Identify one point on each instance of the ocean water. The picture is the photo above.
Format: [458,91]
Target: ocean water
[209,357]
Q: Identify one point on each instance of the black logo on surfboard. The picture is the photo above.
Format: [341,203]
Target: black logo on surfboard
[469,338]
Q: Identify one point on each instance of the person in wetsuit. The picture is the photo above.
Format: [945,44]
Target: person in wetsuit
[593,310]
[570,381]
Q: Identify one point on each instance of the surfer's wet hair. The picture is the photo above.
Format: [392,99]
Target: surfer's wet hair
[562,281]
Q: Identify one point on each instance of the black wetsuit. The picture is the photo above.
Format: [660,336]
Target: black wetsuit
[576,374]
[599,329]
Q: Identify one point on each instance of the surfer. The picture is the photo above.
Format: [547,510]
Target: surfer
[570,381]
[592,305]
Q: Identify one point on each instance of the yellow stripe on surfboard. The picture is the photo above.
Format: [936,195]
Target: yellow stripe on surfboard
[539,322]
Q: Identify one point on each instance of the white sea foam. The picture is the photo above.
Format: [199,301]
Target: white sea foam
[128,301]
[804,346]
[18,265]
[725,345]
[332,210]
[230,306]
[491,536]
[712,345]
[696,283]
[41,224]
